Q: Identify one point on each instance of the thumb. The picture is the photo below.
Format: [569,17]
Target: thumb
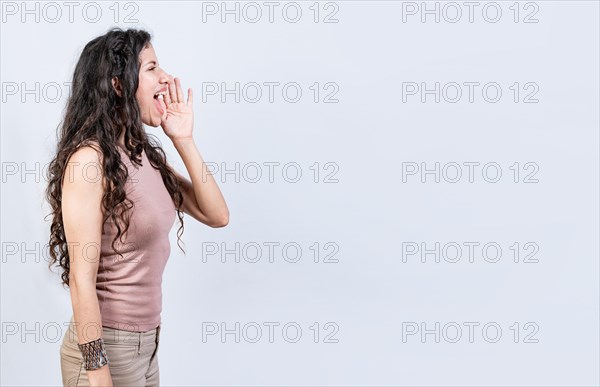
[164,109]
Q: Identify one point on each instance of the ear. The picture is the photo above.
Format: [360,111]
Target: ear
[116,85]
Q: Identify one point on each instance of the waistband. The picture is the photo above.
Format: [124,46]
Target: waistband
[114,335]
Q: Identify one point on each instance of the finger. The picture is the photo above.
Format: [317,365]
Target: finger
[190,101]
[172,91]
[179,90]
[164,108]
[168,96]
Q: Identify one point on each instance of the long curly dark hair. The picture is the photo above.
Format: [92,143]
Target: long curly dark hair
[95,112]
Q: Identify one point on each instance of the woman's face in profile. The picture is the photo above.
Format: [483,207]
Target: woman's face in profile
[152,80]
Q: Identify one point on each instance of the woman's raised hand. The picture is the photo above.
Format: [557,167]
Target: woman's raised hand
[178,118]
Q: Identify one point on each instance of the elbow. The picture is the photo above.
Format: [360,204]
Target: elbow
[81,282]
[221,222]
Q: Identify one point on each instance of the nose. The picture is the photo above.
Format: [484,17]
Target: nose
[165,77]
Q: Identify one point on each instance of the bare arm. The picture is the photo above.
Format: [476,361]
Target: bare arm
[202,198]
[82,219]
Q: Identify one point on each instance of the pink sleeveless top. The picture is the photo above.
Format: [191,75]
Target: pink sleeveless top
[129,287]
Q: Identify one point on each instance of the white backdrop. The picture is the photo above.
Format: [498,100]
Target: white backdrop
[424,212]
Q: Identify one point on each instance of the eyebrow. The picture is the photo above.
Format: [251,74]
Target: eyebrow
[151,62]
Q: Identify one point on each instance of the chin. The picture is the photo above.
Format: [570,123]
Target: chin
[154,125]
[153,122]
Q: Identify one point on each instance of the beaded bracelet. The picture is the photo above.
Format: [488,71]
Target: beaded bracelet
[94,354]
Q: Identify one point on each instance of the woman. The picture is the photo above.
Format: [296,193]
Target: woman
[114,198]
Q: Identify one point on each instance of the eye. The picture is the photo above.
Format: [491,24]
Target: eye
[152,68]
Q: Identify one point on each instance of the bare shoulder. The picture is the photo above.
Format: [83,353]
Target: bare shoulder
[88,151]
[84,166]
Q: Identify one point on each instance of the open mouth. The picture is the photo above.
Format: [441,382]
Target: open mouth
[157,98]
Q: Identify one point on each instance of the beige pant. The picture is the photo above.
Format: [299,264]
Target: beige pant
[133,357]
